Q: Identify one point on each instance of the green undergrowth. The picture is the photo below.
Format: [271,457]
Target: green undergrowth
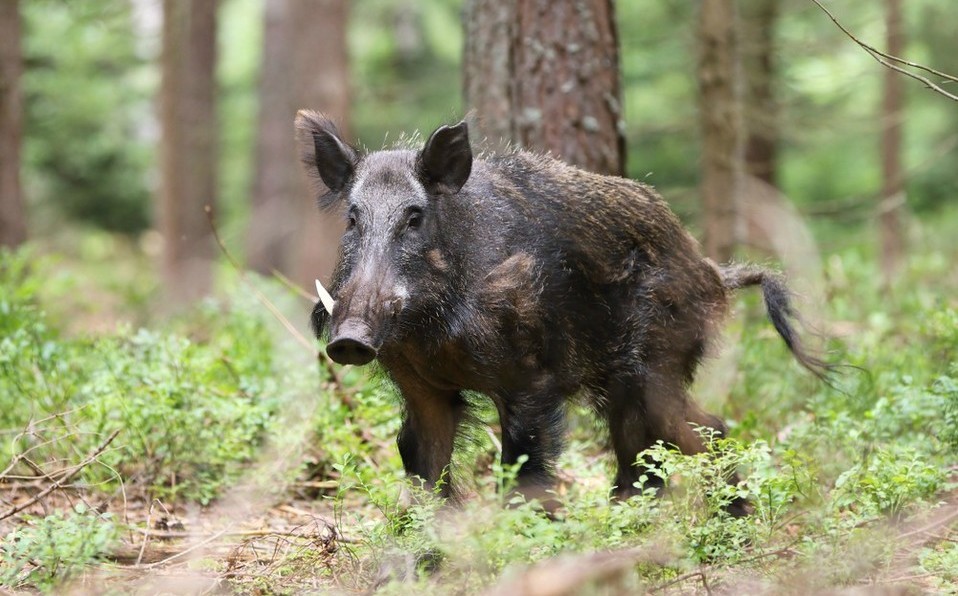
[191,401]
[837,475]
[46,551]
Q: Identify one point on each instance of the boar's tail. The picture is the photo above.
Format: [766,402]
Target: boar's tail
[778,305]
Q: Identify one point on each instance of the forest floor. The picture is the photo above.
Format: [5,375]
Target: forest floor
[210,453]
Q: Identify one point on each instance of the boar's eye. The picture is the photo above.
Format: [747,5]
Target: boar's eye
[415,219]
[350,220]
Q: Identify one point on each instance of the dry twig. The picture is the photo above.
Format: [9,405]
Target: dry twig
[699,573]
[65,479]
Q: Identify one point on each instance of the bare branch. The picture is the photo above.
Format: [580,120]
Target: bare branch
[62,481]
[886,60]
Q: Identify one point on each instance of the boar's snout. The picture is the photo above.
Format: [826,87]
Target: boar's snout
[353,344]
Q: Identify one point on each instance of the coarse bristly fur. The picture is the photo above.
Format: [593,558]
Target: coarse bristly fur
[529,281]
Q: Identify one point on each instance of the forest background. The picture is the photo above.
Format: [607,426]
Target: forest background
[145,378]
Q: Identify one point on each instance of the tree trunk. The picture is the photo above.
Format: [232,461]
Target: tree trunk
[272,224]
[188,147]
[893,193]
[324,85]
[761,110]
[722,128]
[13,225]
[287,233]
[545,76]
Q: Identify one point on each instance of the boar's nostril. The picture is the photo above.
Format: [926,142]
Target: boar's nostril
[347,350]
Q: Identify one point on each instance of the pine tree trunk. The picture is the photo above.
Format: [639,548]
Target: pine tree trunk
[287,233]
[188,147]
[321,84]
[893,193]
[272,224]
[13,225]
[759,19]
[545,76]
[722,128]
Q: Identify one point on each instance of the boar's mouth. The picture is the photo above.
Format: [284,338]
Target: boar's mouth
[353,344]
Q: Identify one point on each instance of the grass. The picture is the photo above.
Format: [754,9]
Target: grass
[851,486]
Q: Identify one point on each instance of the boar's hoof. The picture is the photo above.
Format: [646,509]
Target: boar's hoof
[350,350]
[545,497]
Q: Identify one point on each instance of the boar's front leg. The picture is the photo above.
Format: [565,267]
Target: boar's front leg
[426,439]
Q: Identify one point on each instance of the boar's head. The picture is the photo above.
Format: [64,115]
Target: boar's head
[389,199]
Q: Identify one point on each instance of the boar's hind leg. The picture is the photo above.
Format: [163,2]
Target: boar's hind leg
[642,410]
[673,417]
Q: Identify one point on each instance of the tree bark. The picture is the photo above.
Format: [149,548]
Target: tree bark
[286,232]
[322,84]
[13,224]
[272,224]
[759,18]
[893,193]
[545,76]
[188,147]
[722,128]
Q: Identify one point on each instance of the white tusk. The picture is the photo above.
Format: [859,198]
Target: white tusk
[325,298]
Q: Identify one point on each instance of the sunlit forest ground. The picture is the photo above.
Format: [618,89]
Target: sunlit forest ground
[241,462]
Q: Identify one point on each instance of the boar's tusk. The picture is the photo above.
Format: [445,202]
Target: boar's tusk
[325,298]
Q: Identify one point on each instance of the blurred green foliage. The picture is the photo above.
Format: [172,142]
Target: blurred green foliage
[190,411]
[92,74]
[49,550]
[88,91]
[195,398]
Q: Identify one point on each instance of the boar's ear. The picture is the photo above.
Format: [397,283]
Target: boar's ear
[324,150]
[445,162]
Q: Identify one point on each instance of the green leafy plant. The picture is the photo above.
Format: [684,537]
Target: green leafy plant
[48,550]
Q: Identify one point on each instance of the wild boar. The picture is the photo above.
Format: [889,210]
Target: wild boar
[528,281]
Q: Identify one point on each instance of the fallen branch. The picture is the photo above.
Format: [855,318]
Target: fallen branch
[184,552]
[318,484]
[944,518]
[566,575]
[699,573]
[159,555]
[65,479]
[173,535]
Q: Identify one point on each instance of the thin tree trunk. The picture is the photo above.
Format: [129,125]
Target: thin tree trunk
[722,128]
[759,19]
[545,76]
[893,194]
[13,225]
[321,84]
[273,224]
[287,233]
[188,146]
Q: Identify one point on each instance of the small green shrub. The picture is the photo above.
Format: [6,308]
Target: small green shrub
[48,550]
[190,412]
[942,562]
[887,480]
[947,388]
